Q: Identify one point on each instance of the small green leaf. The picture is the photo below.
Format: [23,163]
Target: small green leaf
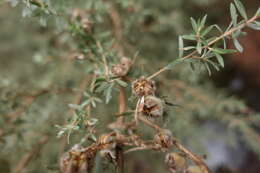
[254,26]
[223,51]
[238,45]
[108,92]
[121,83]
[75,106]
[257,12]
[208,69]
[199,48]
[241,9]
[194,25]
[233,13]
[189,37]
[188,48]
[207,30]
[180,47]
[215,65]
[202,23]
[220,59]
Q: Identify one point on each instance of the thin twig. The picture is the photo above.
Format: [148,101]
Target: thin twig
[196,159]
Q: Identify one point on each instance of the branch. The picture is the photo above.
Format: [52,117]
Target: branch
[225,34]
[196,159]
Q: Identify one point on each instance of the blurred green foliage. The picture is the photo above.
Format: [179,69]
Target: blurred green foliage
[41,73]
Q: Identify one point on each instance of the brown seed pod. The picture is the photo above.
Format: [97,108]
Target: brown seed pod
[143,87]
[164,139]
[194,169]
[121,69]
[77,161]
[152,107]
[175,162]
[87,25]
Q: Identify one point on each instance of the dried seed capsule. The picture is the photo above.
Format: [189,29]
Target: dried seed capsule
[175,162]
[87,25]
[77,161]
[152,107]
[143,87]
[121,69]
[164,139]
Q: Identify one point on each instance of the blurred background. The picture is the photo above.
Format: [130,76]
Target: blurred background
[218,116]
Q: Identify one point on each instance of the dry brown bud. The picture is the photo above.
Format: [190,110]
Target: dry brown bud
[164,139]
[76,161]
[122,69]
[175,162]
[87,25]
[152,106]
[143,87]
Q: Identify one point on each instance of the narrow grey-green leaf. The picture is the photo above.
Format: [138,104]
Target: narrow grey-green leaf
[233,13]
[254,26]
[220,59]
[188,48]
[215,65]
[194,25]
[207,30]
[108,93]
[203,21]
[258,12]
[122,83]
[241,9]
[181,44]
[208,69]
[199,48]
[189,37]
[238,45]
[223,51]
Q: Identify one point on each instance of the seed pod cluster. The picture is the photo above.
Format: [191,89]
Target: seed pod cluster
[152,107]
[77,161]
[164,139]
[143,87]
[175,162]
[122,68]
